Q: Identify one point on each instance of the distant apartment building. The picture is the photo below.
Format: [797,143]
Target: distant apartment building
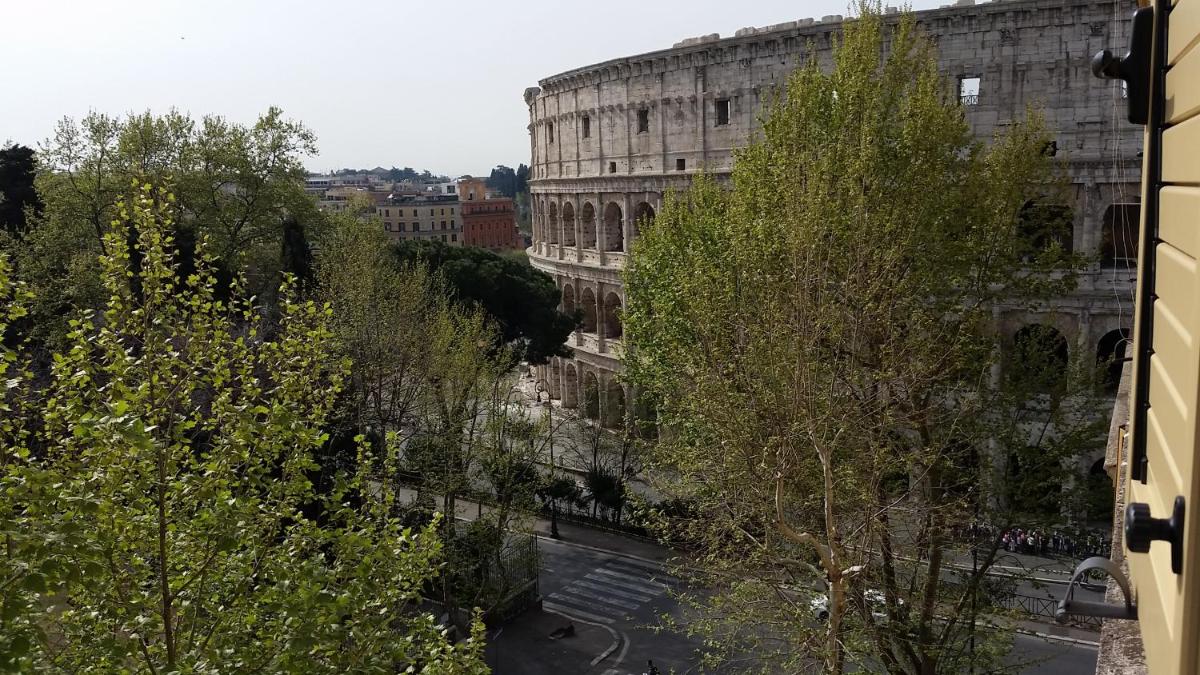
[490,224]
[422,218]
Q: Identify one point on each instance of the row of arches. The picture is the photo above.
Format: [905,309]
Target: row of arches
[1041,356]
[603,318]
[599,399]
[584,230]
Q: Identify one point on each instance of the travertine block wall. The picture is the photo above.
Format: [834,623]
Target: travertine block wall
[1024,52]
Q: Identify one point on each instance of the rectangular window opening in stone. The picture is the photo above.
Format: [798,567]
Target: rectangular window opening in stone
[968,90]
[722,112]
[643,121]
[587,127]
[612,167]
[680,164]
[550,131]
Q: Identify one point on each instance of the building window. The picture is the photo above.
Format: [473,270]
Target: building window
[722,106]
[643,121]
[443,238]
[587,126]
[431,212]
[452,208]
[387,212]
[414,213]
[443,224]
[550,131]
[680,164]
[454,237]
[416,227]
[387,226]
[968,90]
[612,167]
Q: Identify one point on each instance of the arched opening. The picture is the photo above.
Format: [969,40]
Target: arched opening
[568,221]
[1110,357]
[568,299]
[614,238]
[958,471]
[1119,236]
[645,416]
[591,396]
[1099,494]
[643,216]
[539,216]
[587,222]
[588,303]
[614,405]
[570,393]
[612,316]
[555,379]
[1039,359]
[1041,226]
[552,225]
[1035,483]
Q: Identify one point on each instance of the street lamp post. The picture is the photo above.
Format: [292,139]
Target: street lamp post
[539,387]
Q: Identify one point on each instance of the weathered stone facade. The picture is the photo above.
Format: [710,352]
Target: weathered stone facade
[608,140]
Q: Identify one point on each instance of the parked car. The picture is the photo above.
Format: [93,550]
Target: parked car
[876,600]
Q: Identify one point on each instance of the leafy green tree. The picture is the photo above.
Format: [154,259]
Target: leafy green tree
[522,301]
[820,342]
[235,187]
[156,525]
[17,192]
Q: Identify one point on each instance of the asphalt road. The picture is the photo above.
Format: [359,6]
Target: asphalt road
[614,601]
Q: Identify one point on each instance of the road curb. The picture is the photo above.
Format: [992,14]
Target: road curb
[597,549]
[612,631]
[1058,638]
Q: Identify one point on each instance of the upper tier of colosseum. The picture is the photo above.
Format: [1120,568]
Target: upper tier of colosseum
[688,107]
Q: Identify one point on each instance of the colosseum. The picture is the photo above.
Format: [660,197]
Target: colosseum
[608,140]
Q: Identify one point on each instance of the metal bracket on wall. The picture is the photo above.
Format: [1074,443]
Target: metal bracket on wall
[1134,67]
[1069,606]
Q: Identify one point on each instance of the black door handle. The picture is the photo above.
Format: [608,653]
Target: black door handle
[1141,529]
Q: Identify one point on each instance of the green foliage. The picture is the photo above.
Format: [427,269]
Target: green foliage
[17,193]
[522,301]
[820,343]
[234,187]
[158,527]
[508,182]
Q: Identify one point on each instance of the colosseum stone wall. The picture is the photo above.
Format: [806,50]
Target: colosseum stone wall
[608,140]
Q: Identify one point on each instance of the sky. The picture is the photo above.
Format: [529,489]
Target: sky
[431,85]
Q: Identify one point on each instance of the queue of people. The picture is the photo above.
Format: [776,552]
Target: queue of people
[1055,543]
[1047,542]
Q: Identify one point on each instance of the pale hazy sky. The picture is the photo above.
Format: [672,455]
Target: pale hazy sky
[432,85]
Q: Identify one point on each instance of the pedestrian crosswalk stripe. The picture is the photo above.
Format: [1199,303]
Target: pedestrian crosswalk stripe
[600,598]
[608,588]
[649,583]
[638,586]
[651,566]
[658,575]
[577,613]
[587,604]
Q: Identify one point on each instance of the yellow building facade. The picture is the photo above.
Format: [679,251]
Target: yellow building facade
[1161,455]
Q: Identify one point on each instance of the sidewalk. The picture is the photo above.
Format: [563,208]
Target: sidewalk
[569,533]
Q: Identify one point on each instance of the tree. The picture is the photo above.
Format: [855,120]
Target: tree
[17,193]
[235,185]
[522,301]
[820,342]
[504,180]
[156,525]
